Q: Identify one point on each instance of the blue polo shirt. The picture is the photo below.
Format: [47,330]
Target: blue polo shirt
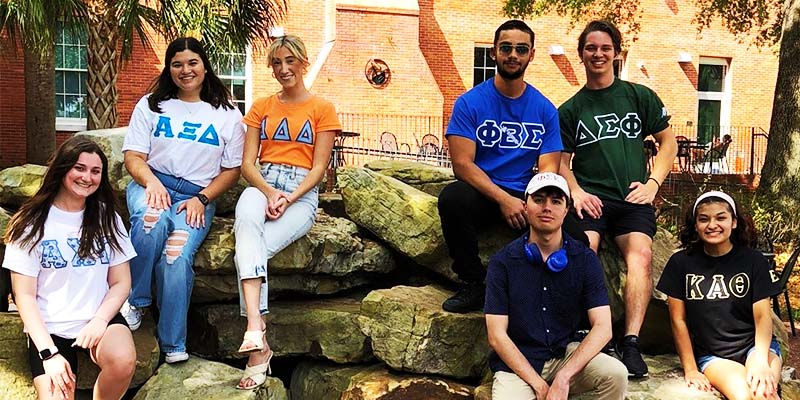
[543,307]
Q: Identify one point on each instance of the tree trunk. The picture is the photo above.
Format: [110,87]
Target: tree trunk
[40,108]
[101,101]
[780,176]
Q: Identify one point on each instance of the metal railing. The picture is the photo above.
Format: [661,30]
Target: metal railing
[744,155]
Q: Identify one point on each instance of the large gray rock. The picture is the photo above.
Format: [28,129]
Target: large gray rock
[20,183]
[221,288]
[406,219]
[110,141]
[15,373]
[425,177]
[207,380]
[318,381]
[147,353]
[411,332]
[318,328]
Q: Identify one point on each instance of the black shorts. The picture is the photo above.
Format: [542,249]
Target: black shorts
[64,348]
[620,218]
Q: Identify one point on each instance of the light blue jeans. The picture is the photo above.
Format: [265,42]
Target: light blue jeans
[150,230]
[259,239]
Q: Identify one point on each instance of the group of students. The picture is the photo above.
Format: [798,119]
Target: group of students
[593,179]
[82,282]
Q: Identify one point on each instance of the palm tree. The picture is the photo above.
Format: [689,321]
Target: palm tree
[223,25]
[35,25]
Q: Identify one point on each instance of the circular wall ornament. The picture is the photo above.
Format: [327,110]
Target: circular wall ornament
[378,73]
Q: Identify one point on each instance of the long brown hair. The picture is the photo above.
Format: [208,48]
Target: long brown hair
[99,225]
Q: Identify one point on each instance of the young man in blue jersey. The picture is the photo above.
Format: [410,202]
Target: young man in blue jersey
[538,288]
[498,133]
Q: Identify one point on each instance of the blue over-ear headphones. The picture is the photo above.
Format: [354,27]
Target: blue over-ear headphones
[556,262]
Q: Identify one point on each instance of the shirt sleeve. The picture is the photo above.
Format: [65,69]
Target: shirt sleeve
[140,128]
[670,281]
[256,113]
[551,142]
[763,283]
[657,115]
[232,152]
[496,288]
[595,293]
[124,240]
[567,126]
[21,261]
[328,120]
[461,122]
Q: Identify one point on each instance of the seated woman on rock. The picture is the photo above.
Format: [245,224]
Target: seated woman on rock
[295,131]
[719,292]
[68,253]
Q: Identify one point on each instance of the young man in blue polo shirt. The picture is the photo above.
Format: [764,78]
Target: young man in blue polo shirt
[537,287]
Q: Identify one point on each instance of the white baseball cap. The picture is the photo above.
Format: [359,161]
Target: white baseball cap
[547,179]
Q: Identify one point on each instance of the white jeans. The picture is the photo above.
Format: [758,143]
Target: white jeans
[258,239]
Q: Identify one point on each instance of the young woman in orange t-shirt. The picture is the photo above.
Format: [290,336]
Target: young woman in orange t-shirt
[295,131]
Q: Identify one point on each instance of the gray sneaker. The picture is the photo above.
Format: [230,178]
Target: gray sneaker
[177,356]
[132,315]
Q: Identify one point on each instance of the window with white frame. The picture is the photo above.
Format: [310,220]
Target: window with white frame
[619,65]
[70,78]
[233,70]
[713,98]
[483,67]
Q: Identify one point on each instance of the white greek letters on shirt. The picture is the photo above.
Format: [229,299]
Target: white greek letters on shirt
[53,258]
[719,289]
[610,125]
[510,135]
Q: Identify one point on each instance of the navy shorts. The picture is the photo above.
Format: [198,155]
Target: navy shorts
[64,348]
[620,218]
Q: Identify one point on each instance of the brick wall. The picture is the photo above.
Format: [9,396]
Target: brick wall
[430,53]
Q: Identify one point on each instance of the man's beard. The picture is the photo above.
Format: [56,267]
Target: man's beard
[510,76]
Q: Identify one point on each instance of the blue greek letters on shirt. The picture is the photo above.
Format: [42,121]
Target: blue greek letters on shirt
[52,257]
[610,125]
[510,135]
[283,132]
[189,131]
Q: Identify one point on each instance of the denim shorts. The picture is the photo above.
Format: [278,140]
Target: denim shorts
[703,361]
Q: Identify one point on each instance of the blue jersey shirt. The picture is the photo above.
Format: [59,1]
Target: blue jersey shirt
[509,134]
[543,307]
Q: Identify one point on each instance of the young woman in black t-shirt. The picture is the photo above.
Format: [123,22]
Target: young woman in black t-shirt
[719,292]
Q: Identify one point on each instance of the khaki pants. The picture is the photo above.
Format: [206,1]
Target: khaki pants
[604,374]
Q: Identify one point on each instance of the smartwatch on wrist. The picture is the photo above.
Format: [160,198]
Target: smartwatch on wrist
[203,198]
[48,353]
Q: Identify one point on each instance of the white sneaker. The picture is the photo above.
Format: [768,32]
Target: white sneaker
[177,356]
[132,315]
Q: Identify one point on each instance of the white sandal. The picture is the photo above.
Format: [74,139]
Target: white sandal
[254,337]
[258,373]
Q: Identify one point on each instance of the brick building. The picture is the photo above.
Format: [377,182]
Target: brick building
[434,51]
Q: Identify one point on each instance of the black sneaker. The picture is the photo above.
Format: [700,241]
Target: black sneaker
[632,357]
[468,298]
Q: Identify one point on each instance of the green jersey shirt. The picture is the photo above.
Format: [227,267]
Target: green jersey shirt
[605,130]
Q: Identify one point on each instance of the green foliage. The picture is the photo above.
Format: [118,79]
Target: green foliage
[760,20]
[775,225]
[35,22]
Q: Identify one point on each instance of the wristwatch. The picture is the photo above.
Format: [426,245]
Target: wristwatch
[48,353]
[203,198]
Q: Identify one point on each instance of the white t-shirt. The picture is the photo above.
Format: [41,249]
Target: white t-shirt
[69,290]
[187,140]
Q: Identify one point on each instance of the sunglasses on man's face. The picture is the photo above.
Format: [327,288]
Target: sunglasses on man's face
[521,49]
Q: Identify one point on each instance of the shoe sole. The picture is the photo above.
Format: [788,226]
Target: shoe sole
[177,360]
[638,376]
[135,326]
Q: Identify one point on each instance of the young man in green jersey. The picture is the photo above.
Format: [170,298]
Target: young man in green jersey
[603,128]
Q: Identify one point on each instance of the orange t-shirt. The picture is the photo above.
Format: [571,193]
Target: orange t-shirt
[288,131]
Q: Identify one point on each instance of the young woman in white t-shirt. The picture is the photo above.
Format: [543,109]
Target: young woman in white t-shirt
[68,253]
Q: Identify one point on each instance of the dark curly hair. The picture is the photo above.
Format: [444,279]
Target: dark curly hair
[743,235]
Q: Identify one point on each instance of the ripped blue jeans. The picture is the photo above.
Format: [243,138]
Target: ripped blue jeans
[258,239]
[166,246]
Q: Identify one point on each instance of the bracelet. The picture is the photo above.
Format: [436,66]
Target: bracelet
[654,180]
